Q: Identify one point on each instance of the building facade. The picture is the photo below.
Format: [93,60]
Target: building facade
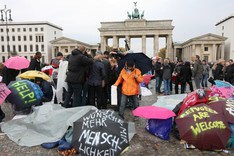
[209,47]
[225,28]
[66,45]
[26,38]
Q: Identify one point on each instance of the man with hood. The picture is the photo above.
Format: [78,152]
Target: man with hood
[76,75]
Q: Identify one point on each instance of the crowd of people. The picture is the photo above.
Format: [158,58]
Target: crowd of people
[185,72]
[89,78]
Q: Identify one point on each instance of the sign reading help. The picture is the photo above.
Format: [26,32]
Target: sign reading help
[24,93]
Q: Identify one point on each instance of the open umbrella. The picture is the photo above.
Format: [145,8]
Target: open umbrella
[24,93]
[100,132]
[203,127]
[220,83]
[17,62]
[153,112]
[4,92]
[31,74]
[223,106]
[142,62]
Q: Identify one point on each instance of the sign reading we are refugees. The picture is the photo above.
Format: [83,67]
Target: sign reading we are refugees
[100,133]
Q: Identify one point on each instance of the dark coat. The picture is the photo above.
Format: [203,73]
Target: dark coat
[158,69]
[35,64]
[218,72]
[167,74]
[97,74]
[47,91]
[9,75]
[185,73]
[198,69]
[229,75]
[77,67]
[107,67]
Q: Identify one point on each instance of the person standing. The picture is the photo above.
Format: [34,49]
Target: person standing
[35,63]
[166,75]
[158,75]
[55,64]
[218,71]
[186,77]
[198,71]
[130,78]
[229,73]
[96,83]
[177,74]
[205,75]
[76,75]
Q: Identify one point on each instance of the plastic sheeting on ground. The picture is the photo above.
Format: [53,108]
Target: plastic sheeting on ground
[169,101]
[48,123]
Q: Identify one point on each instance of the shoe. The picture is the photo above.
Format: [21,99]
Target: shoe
[63,145]
[50,145]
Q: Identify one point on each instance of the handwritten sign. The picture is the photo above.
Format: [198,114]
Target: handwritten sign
[103,133]
[200,124]
[24,92]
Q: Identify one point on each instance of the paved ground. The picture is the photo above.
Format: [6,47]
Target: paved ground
[142,144]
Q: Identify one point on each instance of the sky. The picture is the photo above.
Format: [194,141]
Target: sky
[80,19]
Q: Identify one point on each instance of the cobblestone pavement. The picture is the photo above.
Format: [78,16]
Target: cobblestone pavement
[142,144]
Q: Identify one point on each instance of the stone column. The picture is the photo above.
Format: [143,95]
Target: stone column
[213,54]
[169,46]
[128,40]
[156,45]
[103,43]
[193,50]
[115,42]
[222,51]
[144,44]
[202,50]
[174,55]
[59,49]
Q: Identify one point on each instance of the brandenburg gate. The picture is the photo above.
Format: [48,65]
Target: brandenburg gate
[137,27]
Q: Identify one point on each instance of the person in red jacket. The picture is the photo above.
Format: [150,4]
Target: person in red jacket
[129,77]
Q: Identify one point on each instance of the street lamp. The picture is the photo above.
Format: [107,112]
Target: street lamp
[4,13]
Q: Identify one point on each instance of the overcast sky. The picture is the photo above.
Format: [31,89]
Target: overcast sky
[80,19]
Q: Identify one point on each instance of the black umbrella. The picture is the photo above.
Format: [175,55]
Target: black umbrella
[100,132]
[142,62]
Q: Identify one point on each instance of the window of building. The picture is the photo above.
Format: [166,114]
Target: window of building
[31,48]
[18,29]
[3,59]
[13,38]
[206,57]
[42,29]
[36,38]
[14,49]
[2,38]
[42,38]
[206,49]
[25,38]
[13,30]
[19,38]
[43,58]
[222,27]
[1,30]
[39,38]
[30,29]
[3,48]
[24,29]
[37,48]
[223,34]
[19,48]
[55,32]
[30,38]
[26,57]
[36,29]
[7,29]
[8,38]
[55,38]
[25,48]
[42,47]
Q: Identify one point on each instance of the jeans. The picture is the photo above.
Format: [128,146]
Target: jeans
[167,86]
[204,80]
[158,83]
[197,81]
[124,99]
[84,93]
[74,89]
